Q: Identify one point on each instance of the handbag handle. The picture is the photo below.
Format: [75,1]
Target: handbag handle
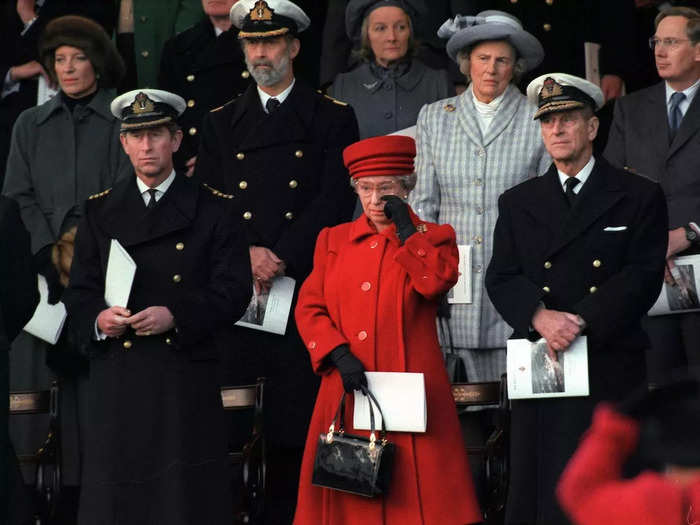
[339,416]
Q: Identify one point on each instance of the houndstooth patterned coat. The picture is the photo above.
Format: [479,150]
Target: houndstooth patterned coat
[460,177]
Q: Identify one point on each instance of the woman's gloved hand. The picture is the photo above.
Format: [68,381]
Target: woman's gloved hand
[351,369]
[396,211]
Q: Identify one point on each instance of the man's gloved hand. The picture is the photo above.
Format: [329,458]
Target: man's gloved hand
[44,265]
[351,369]
[396,211]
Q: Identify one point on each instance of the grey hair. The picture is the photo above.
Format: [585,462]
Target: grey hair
[463,59]
[408,182]
[692,30]
[365,53]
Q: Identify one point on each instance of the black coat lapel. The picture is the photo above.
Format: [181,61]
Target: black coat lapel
[689,126]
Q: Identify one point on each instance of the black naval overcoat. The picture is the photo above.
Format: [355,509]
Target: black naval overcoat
[156,450]
[602,259]
[286,173]
[207,71]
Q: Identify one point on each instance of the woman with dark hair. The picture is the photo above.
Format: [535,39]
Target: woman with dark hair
[389,87]
[61,153]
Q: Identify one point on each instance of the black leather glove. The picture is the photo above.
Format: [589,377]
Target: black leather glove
[396,211]
[351,369]
[44,265]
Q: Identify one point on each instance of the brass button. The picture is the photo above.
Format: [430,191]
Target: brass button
[192,131]
[289,215]
[298,154]
[545,289]
[593,289]
[312,345]
[477,239]
[366,286]
[180,246]
[190,103]
[168,341]
[247,215]
[547,265]
[293,184]
[547,27]
[362,335]
[597,263]
[245,74]
[126,344]
[144,53]
[144,18]
[190,78]
[240,156]
[177,278]
[243,184]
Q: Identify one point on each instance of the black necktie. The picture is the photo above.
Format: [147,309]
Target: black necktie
[272,104]
[570,183]
[674,113]
[152,203]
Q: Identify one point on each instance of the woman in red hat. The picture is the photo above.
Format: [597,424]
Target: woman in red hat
[370,305]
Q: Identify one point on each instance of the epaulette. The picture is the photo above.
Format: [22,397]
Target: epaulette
[216,192]
[101,194]
[334,100]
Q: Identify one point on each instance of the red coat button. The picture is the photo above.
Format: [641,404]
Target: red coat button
[362,335]
[366,286]
[421,252]
[373,244]
[312,345]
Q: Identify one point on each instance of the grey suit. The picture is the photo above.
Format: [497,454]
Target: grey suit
[639,142]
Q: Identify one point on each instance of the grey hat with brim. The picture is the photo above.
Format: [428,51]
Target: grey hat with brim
[465,31]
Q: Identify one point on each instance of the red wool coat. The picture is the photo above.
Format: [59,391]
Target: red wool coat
[592,490]
[381,299]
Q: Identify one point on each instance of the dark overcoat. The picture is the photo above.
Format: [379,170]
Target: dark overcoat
[207,71]
[156,450]
[286,173]
[602,259]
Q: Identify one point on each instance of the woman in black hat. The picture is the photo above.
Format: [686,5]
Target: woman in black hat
[62,152]
[389,87]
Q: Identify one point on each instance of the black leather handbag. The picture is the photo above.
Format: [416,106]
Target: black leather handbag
[351,463]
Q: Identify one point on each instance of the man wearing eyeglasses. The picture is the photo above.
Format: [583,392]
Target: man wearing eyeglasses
[656,132]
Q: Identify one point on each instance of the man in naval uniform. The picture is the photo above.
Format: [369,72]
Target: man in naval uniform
[156,448]
[278,149]
[204,65]
[577,251]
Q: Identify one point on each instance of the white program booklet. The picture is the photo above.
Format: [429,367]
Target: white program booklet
[401,395]
[121,269]
[48,319]
[269,311]
[461,293]
[681,296]
[535,372]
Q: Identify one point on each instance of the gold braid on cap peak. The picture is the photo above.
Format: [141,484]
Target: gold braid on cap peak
[216,192]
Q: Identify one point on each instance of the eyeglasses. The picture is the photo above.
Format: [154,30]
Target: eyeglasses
[385,188]
[668,43]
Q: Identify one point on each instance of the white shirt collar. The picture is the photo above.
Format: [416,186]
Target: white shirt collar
[281,97]
[581,175]
[160,189]
[217,31]
[689,93]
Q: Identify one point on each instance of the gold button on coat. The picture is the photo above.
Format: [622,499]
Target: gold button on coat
[243,184]
[180,246]
[247,215]
[190,78]
[547,265]
[144,53]
[597,263]
[289,215]
[240,156]
[545,289]
[177,278]
[192,131]
[593,289]
[190,103]
[245,74]
[547,27]
[293,184]
[126,344]
[168,341]
[298,154]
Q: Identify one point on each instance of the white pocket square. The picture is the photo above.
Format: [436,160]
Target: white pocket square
[614,228]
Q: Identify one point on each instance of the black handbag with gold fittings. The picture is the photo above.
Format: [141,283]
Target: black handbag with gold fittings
[351,463]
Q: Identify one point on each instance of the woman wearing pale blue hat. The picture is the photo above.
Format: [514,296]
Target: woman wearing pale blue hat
[471,148]
[389,87]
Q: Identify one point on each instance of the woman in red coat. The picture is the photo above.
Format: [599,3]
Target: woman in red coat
[370,304]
